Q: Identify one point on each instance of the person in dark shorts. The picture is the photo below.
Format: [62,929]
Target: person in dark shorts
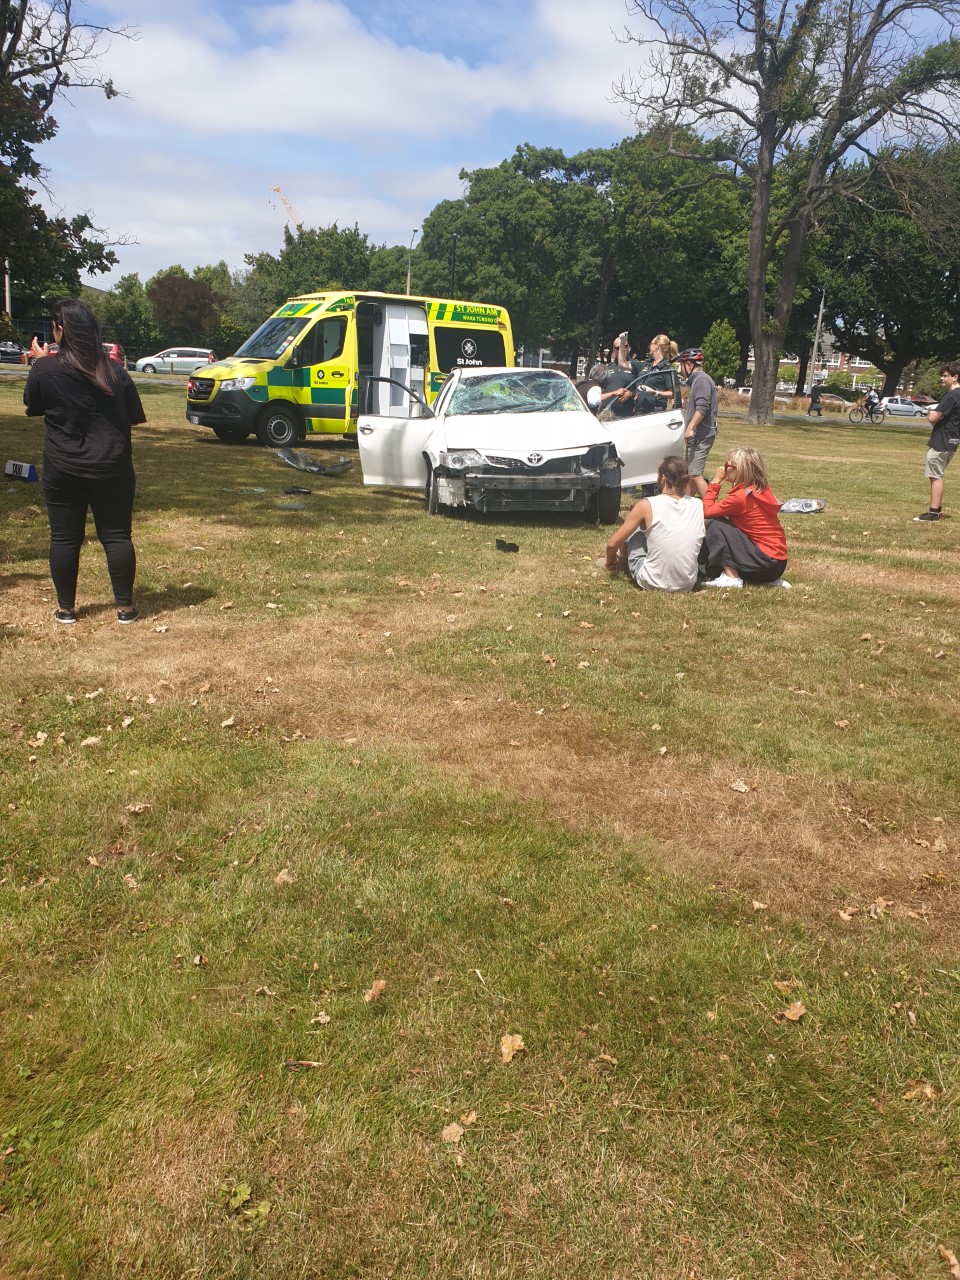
[88,404]
[944,439]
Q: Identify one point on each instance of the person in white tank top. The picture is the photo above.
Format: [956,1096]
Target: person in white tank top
[659,542]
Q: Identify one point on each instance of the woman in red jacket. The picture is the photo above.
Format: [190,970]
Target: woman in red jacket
[745,540]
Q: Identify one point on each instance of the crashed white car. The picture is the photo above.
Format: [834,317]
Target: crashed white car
[511,440]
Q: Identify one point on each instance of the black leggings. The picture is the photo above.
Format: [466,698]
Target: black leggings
[111,501]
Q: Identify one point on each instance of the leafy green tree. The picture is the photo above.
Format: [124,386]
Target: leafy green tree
[126,316]
[185,309]
[43,51]
[786,95]
[721,351]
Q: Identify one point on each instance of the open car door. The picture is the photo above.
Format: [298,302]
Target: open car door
[642,443]
[391,448]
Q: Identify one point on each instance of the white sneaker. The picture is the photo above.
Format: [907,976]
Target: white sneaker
[724,581]
[778,584]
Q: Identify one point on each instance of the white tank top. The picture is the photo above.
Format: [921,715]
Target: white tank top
[673,542]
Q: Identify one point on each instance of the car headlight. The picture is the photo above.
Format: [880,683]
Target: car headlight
[236,384]
[461,459]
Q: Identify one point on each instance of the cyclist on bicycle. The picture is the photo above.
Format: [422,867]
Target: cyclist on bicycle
[870,401]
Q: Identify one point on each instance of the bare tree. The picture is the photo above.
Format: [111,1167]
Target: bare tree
[785,93]
[44,49]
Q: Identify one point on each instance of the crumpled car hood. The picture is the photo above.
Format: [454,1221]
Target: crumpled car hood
[514,435]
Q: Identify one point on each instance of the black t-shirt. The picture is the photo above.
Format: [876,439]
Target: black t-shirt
[946,433]
[87,430]
[616,380]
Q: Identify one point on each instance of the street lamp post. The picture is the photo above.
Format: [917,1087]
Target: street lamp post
[410,256]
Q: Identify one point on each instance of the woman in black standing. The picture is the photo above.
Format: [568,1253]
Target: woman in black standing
[88,404]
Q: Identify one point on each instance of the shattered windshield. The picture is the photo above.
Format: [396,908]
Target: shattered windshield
[272,338]
[523,391]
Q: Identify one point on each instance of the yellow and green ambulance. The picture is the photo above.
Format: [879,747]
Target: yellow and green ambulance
[322,357]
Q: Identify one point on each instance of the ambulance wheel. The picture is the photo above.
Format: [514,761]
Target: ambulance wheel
[431,499]
[279,427]
[231,435]
[608,505]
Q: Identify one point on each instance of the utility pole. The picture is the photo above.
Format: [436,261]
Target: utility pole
[816,340]
[6,288]
[410,256]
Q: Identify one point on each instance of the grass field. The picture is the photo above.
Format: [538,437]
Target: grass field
[699,853]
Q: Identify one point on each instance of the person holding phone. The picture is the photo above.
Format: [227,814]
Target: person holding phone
[88,404]
[745,541]
[658,387]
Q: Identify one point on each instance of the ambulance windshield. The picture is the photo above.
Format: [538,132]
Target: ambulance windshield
[272,339]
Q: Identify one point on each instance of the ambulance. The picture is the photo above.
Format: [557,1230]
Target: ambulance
[323,357]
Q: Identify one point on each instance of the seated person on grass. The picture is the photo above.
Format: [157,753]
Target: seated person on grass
[659,542]
[745,540]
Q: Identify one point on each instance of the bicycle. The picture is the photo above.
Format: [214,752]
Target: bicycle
[858,413]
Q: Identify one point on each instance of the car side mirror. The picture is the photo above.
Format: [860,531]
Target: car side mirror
[294,359]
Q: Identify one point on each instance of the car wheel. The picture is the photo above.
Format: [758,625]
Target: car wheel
[919,414]
[431,498]
[149,368]
[279,427]
[608,505]
[231,435]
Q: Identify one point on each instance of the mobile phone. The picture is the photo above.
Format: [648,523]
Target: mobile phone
[624,338]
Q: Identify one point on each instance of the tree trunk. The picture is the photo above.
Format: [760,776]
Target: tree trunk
[766,362]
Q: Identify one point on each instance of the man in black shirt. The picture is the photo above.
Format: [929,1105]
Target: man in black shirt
[944,439]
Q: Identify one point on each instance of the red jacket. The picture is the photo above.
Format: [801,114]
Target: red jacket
[757,514]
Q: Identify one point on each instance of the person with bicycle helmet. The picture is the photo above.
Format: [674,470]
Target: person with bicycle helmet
[700,415]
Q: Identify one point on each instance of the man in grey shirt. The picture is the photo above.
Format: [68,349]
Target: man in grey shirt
[700,414]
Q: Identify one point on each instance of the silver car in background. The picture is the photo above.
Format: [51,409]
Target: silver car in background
[176,360]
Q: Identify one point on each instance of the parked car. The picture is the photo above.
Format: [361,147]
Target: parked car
[926,401]
[115,352]
[27,357]
[514,439]
[176,360]
[903,407]
[11,352]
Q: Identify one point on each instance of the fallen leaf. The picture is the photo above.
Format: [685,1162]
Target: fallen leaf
[130,882]
[950,1259]
[283,877]
[739,785]
[301,1064]
[877,910]
[920,1089]
[451,1132]
[95,694]
[127,721]
[788,986]
[227,605]
[760,906]
[603,1056]
[138,806]
[94,862]
[322,1018]
[228,723]
[468,1119]
[511,1045]
[376,991]
[711,1015]
[793,1012]
[38,741]
[551,662]
[842,724]
[201,961]
[587,626]
[848,913]
[90,742]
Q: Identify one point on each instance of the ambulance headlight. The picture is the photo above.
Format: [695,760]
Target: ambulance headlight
[461,459]
[236,384]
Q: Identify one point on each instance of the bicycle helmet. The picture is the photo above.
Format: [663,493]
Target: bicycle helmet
[692,355]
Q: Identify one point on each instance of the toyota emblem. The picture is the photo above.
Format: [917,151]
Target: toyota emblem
[534,459]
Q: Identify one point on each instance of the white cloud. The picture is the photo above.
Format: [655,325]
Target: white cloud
[354,126]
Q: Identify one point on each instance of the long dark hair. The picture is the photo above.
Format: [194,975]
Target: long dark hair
[81,343]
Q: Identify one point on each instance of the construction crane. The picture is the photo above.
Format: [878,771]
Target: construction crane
[292,214]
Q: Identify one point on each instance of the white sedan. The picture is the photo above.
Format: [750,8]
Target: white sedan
[513,440]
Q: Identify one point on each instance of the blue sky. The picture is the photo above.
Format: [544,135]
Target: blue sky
[361,113]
